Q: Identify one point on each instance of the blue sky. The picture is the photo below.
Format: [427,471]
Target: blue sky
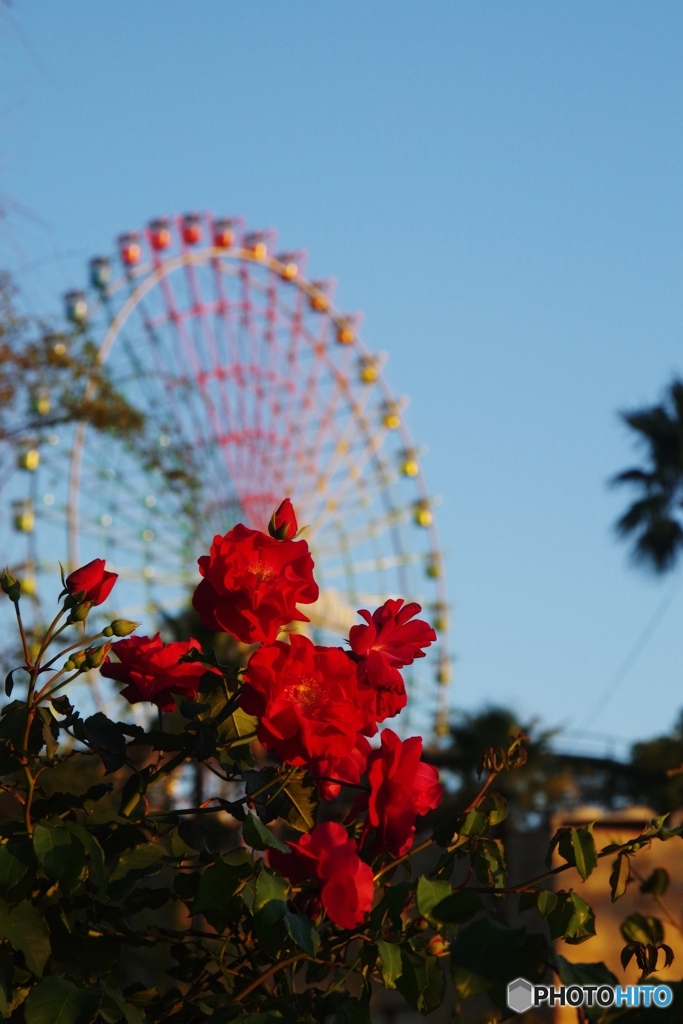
[497,187]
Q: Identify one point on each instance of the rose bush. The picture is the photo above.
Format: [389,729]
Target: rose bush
[118,904]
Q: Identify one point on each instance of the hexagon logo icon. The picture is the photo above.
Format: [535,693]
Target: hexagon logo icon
[520,995]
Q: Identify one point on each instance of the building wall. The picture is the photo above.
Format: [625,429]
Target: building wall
[608,942]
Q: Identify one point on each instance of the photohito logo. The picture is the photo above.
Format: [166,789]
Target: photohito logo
[522,995]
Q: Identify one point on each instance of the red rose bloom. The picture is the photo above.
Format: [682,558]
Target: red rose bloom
[329,857]
[383,646]
[401,787]
[347,768]
[283,524]
[306,700]
[253,583]
[92,581]
[152,670]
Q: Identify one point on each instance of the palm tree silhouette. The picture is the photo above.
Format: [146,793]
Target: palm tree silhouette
[655,519]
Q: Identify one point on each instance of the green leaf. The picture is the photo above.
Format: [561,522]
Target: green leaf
[561,837]
[259,837]
[236,726]
[458,907]
[269,926]
[527,900]
[546,902]
[145,898]
[474,824]
[638,928]
[619,877]
[585,853]
[145,859]
[52,846]
[396,896]
[50,731]
[270,887]
[583,974]
[94,851]
[14,862]
[571,918]
[133,1014]
[55,1000]
[586,974]
[302,804]
[489,863]
[390,955]
[657,883]
[352,1011]
[486,956]
[180,846]
[303,933]
[428,895]
[499,812]
[26,929]
[220,882]
[422,982]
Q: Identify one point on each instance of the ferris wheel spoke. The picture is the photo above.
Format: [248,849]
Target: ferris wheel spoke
[349,448]
[213,361]
[229,325]
[194,365]
[306,423]
[374,527]
[163,375]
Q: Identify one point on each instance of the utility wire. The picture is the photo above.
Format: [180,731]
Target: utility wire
[633,655]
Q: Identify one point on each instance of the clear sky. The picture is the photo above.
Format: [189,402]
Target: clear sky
[496,185]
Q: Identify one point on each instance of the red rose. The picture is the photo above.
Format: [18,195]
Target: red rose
[283,524]
[401,787]
[92,581]
[252,585]
[329,857]
[306,700]
[153,671]
[383,646]
[347,768]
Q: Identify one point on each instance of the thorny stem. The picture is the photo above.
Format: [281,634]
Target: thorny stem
[184,810]
[474,802]
[164,770]
[24,641]
[43,695]
[272,782]
[269,973]
[406,856]
[281,786]
[80,643]
[49,634]
[525,886]
[661,904]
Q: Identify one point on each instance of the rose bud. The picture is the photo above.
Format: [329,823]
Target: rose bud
[420,924]
[91,582]
[76,660]
[79,612]
[283,525]
[120,627]
[10,585]
[94,656]
[437,946]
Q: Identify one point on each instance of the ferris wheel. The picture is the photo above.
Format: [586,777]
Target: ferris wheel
[245,369]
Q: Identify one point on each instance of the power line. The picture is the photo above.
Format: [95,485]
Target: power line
[635,652]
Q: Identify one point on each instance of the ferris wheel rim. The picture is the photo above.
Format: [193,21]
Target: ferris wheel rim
[148,275]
